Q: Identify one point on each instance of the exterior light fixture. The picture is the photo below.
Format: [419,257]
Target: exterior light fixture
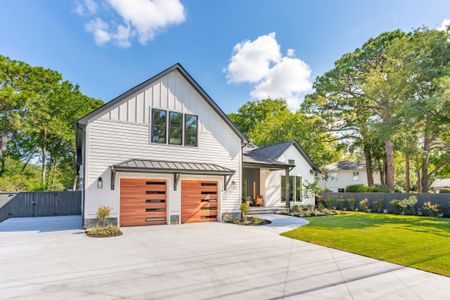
[99,183]
[233,185]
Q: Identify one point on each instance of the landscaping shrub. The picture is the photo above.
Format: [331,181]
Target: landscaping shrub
[320,206]
[351,203]
[364,205]
[295,208]
[378,188]
[103,214]
[329,202]
[395,203]
[432,209]
[405,206]
[342,203]
[103,231]
[245,208]
[356,188]
[308,212]
[377,204]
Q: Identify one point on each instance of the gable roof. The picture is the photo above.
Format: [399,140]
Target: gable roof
[441,183]
[270,154]
[83,121]
[344,166]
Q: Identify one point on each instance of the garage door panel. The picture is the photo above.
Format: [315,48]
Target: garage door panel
[199,201]
[143,202]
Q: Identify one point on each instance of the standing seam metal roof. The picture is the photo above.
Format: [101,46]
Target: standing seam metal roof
[172,166]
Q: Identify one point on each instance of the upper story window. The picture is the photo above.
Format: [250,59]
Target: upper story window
[291,161]
[355,176]
[175,128]
[190,130]
[159,125]
[333,176]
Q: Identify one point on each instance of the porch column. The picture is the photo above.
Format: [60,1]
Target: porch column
[286,182]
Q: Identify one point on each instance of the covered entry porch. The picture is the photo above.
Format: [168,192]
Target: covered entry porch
[265,184]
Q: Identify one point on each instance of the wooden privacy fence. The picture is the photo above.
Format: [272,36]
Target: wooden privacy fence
[442,199]
[39,204]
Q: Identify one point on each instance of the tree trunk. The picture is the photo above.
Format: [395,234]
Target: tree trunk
[407,181]
[2,157]
[419,189]
[43,162]
[389,150]
[425,162]
[381,168]
[75,182]
[25,165]
[369,168]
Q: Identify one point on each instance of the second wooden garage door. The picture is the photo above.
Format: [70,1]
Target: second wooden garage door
[199,201]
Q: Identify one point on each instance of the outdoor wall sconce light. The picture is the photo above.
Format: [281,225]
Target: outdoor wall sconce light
[233,185]
[99,183]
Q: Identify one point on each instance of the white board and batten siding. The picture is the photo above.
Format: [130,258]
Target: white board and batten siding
[123,133]
[271,180]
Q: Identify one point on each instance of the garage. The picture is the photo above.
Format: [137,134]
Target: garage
[143,202]
[199,201]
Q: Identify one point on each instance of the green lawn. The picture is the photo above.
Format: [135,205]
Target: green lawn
[418,242]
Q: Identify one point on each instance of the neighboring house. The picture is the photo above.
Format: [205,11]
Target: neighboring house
[440,184]
[165,153]
[264,173]
[337,176]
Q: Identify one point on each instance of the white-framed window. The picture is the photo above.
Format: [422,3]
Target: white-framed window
[295,188]
[355,176]
[333,176]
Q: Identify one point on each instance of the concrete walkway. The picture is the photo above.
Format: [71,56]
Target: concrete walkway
[282,223]
[51,258]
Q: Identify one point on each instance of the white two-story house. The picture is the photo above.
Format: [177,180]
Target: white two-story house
[164,152]
[337,176]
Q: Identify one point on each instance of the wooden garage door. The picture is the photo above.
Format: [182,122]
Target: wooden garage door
[199,201]
[143,202]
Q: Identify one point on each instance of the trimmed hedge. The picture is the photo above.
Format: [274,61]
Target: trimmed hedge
[362,188]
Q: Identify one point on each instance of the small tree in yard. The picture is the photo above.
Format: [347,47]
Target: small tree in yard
[103,214]
[245,207]
[312,189]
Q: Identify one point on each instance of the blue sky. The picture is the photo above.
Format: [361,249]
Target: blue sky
[201,35]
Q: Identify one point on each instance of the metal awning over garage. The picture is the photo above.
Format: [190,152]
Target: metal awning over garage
[174,167]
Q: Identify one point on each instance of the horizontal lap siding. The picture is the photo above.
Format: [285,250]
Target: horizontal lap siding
[113,139]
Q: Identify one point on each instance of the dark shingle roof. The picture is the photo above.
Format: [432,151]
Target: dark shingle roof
[344,165]
[270,154]
[172,167]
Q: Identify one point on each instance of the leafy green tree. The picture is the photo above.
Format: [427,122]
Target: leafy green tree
[254,112]
[37,122]
[270,121]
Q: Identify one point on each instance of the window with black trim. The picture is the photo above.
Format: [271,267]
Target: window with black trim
[190,130]
[175,128]
[159,125]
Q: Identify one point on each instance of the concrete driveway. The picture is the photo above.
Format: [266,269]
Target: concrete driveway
[51,258]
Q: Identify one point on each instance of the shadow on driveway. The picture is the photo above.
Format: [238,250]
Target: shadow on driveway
[41,224]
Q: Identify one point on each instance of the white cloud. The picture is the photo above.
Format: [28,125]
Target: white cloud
[251,60]
[444,25]
[261,63]
[141,19]
[100,30]
[86,7]
[147,17]
[291,52]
